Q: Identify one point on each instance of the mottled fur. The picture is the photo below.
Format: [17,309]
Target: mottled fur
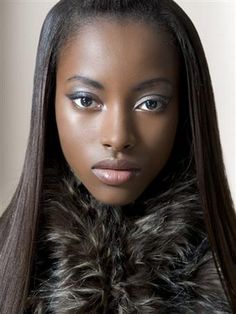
[151,256]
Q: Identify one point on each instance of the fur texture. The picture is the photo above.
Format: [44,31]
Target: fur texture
[152,256]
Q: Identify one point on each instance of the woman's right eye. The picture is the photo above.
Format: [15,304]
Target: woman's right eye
[84,101]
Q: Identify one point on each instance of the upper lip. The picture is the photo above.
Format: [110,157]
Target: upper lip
[116,164]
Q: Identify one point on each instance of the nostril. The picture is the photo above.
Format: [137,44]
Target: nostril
[118,143]
[116,148]
[127,145]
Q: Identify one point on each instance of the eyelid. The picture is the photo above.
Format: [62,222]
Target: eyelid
[167,99]
[75,95]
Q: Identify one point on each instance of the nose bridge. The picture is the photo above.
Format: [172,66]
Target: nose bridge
[118,129]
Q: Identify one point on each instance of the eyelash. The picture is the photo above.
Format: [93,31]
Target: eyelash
[164,100]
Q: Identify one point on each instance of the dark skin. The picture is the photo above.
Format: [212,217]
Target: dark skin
[117,119]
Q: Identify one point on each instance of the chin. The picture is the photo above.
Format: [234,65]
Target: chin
[114,195]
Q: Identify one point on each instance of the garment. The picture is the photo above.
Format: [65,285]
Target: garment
[152,256]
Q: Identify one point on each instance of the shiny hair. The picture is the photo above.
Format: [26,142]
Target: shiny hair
[203,152]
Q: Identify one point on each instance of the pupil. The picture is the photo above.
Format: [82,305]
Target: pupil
[151,104]
[86,101]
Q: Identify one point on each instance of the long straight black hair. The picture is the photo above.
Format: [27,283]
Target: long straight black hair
[19,222]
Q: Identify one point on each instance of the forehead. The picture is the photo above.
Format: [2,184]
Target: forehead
[120,46]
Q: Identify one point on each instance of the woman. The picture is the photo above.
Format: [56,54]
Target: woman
[152,228]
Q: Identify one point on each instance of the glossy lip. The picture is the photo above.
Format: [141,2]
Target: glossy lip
[115,172]
[114,177]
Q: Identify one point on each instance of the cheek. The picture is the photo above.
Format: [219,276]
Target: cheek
[75,137]
[159,138]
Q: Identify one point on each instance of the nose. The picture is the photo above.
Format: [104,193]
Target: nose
[118,132]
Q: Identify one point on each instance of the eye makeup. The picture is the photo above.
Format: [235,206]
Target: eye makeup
[151,103]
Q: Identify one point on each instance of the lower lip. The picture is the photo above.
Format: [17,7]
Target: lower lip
[114,177]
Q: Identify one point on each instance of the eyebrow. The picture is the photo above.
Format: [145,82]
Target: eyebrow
[141,86]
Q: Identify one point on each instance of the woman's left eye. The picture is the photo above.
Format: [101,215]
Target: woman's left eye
[155,104]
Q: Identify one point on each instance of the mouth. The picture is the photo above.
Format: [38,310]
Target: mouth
[114,176]
[115,172]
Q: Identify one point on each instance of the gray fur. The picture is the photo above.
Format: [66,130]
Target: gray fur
[96,258]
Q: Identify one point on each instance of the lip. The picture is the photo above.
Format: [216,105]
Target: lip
[114,177]
[115,172]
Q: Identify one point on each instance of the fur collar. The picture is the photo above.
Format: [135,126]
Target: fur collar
[152,256]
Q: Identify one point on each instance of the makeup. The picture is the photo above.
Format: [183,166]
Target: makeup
[115,177]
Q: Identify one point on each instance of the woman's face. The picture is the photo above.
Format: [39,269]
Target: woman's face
[117,100]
